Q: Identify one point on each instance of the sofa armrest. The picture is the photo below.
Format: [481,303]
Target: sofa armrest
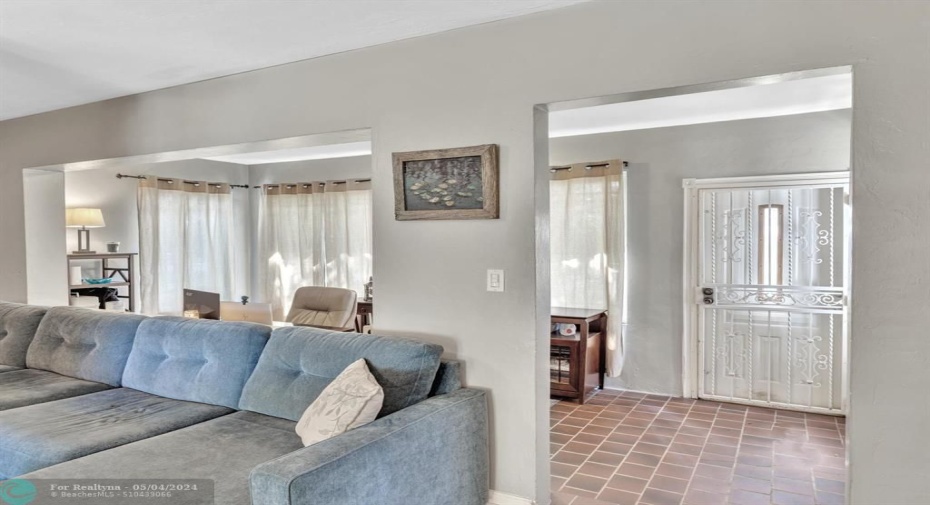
[431,453]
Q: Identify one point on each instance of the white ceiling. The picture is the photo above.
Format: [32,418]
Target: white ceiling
[800,96]
[61,53]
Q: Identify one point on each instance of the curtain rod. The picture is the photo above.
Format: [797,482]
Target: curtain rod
[288,186]
[587,167]
[171,181]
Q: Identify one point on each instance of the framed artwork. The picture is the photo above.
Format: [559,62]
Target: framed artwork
[459,183]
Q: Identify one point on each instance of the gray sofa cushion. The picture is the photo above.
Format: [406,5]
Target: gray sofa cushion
[224,450]
[299,362]
[29,387]
[42,435]
[8,368]
[18,324]
[86,344]
[194,360]
[448,378]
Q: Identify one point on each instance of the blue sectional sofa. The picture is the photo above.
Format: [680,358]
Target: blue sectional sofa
[89,394]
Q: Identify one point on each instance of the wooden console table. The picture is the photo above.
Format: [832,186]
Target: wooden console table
[577,362]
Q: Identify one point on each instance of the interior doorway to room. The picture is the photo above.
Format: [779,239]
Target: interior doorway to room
[257,220]
[734,396]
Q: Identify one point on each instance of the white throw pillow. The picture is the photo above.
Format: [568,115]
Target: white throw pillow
[353,399]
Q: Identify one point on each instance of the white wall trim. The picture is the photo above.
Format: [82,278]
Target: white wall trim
[689,348]
[498,498]
[806,179]
[638,391]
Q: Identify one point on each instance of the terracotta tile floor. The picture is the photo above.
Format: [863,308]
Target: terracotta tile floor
[629,448]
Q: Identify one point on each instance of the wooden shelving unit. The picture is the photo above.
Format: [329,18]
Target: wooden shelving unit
[123,273]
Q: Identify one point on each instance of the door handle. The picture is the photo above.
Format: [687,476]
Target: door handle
[708,295]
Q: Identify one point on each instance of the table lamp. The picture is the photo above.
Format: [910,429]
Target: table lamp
[84,219]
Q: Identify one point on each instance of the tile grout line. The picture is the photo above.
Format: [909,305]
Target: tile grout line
[577,467]
[710,432]
[693,470]
[624,456]
[667,448]
[639,496]
[588,456]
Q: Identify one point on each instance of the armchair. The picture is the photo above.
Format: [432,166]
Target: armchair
[320,306]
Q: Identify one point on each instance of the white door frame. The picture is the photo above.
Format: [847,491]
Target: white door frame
[690,285]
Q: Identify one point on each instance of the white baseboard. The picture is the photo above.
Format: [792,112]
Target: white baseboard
[621,390]
[498,498]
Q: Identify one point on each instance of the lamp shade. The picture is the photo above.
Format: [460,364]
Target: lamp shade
[84,218]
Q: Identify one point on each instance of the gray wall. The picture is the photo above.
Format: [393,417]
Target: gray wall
[117,197]
[659,159]
[353,167]
[481,85]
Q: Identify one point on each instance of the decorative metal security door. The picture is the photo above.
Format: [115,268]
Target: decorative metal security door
[769,290]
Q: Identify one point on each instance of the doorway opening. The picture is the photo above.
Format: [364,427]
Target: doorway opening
[251,222]
[706,362]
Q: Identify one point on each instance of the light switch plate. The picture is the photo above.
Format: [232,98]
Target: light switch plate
[496,281]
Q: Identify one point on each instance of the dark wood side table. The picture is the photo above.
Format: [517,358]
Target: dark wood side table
[577,362]
[364,311]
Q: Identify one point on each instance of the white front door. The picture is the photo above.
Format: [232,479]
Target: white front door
[768,289]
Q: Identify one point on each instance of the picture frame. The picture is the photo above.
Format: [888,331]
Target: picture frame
[456,183]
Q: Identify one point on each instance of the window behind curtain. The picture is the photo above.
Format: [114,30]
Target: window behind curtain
[189,240]
[313,234]
[578,243]
[576,215]
[588,246]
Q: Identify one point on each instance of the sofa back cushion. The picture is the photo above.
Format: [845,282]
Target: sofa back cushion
[194,360]
[84,343]
[298,363]
[448,378]
[18,324]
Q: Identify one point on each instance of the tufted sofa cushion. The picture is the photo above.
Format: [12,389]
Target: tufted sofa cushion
[86,344]
[18,324]
[194,360]
[298,363]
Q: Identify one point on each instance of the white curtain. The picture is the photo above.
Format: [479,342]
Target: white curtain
[188,240]
[313,234]
[587,246]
